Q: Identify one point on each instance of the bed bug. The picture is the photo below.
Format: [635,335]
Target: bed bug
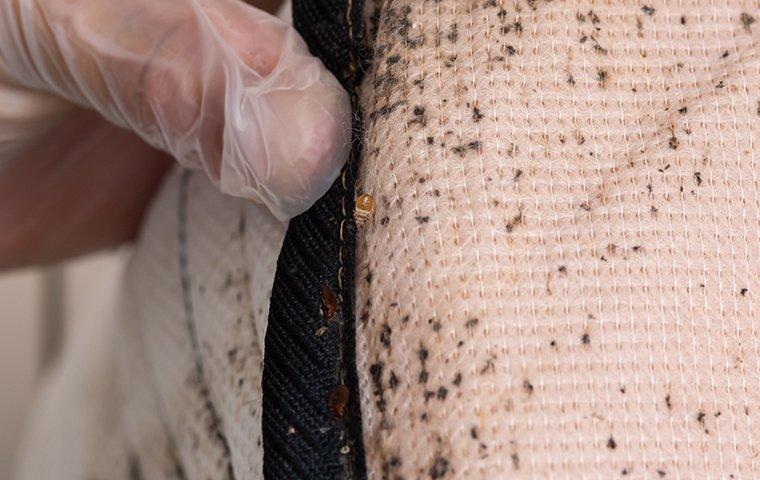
[337,401]
[329,302]
[364,207]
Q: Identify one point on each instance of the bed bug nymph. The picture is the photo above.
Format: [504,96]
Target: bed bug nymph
[337,401]
[329,302]
[364,207]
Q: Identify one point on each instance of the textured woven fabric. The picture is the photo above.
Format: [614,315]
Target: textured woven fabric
[311,423]
[170,387]
[560,278]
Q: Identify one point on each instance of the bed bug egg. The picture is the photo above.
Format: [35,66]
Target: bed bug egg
[364,207]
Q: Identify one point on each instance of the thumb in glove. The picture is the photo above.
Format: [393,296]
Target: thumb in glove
[216,83]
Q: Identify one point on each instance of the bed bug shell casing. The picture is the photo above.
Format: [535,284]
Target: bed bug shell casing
[363,208]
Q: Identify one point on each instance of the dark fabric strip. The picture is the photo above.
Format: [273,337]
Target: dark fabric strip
[309,355]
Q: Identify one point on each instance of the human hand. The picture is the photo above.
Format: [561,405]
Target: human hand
[216,84]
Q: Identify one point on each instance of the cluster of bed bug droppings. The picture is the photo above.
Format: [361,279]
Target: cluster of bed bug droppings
[747,20]
[447,123]
[439,468]
[363,208]
[337,401]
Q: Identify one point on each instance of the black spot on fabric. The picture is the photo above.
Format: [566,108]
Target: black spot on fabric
[440,468]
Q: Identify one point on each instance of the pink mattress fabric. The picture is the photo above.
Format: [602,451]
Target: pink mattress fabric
[561,273]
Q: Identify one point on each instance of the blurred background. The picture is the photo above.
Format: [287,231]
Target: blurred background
[38,309]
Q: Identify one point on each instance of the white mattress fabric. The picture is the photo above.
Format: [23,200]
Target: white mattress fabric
[170,386]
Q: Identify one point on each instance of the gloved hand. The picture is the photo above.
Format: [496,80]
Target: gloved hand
[216,84]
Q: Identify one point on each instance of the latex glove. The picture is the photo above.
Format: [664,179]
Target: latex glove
[217,84]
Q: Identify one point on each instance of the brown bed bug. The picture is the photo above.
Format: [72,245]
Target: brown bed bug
[363,208]
[337,401]
[329,302]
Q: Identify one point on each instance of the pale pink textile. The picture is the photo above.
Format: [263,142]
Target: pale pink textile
[560,278]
